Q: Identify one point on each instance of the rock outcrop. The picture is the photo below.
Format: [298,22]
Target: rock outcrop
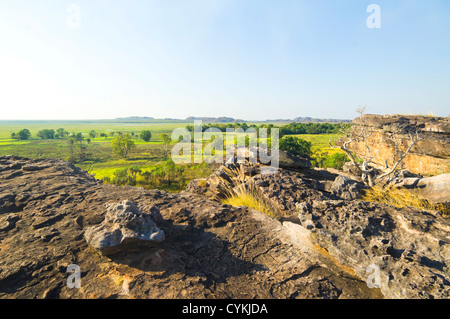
[210,250]
[431,156]
[322,248]
[286,159]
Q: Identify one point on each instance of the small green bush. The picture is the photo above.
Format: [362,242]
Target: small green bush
[296,146]
[337,161]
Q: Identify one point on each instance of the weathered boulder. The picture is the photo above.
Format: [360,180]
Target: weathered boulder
[346,188]
[435,189]
[286,159]
[124,225]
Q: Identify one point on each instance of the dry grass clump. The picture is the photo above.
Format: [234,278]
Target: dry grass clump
[401,197]
[243,192]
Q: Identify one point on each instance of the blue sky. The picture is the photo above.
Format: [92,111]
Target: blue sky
[248,59]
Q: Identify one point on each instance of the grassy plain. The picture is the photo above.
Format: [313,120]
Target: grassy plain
[100,160]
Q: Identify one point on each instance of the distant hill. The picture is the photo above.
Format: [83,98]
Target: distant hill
[316,120]
[222,119]
[310,120]
[144,119]
[138,118]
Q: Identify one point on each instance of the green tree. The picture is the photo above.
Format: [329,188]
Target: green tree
[92,134]
[166,139]
[146,135]
[71,142]
[76,139]
[62,133]
[122,145]
[23,134]
[46,134]
[296,146]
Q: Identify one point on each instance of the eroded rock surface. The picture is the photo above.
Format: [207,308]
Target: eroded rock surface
[410,248]
[322,250]
[210,250]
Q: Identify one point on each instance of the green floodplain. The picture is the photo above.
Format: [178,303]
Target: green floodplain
[148,163]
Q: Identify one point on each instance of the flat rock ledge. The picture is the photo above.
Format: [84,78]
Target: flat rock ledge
[124,225]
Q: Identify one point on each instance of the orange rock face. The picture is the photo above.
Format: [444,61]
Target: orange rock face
[430,156]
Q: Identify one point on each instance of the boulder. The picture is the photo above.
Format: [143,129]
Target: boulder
[124,224]
[286,159]
[346,188]
[435,189]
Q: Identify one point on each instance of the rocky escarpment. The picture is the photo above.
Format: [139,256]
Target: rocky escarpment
[323,248]
[430,156]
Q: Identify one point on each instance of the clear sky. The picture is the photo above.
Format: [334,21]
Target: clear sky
[248,59]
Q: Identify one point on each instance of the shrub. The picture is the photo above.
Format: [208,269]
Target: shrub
[249,197]
[337,161]
[121,177]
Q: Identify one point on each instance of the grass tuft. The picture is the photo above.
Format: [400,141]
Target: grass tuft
[243,192]
[401,197]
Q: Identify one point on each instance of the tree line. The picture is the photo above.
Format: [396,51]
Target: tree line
[288,129]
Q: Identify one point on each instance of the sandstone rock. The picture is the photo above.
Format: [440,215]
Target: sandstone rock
[124,225]
[431,156]
[32,168]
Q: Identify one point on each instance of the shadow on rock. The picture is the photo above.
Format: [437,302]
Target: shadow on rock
[188,250]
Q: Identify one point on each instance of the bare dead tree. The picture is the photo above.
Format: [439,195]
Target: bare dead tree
[399,154]
[360,132]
